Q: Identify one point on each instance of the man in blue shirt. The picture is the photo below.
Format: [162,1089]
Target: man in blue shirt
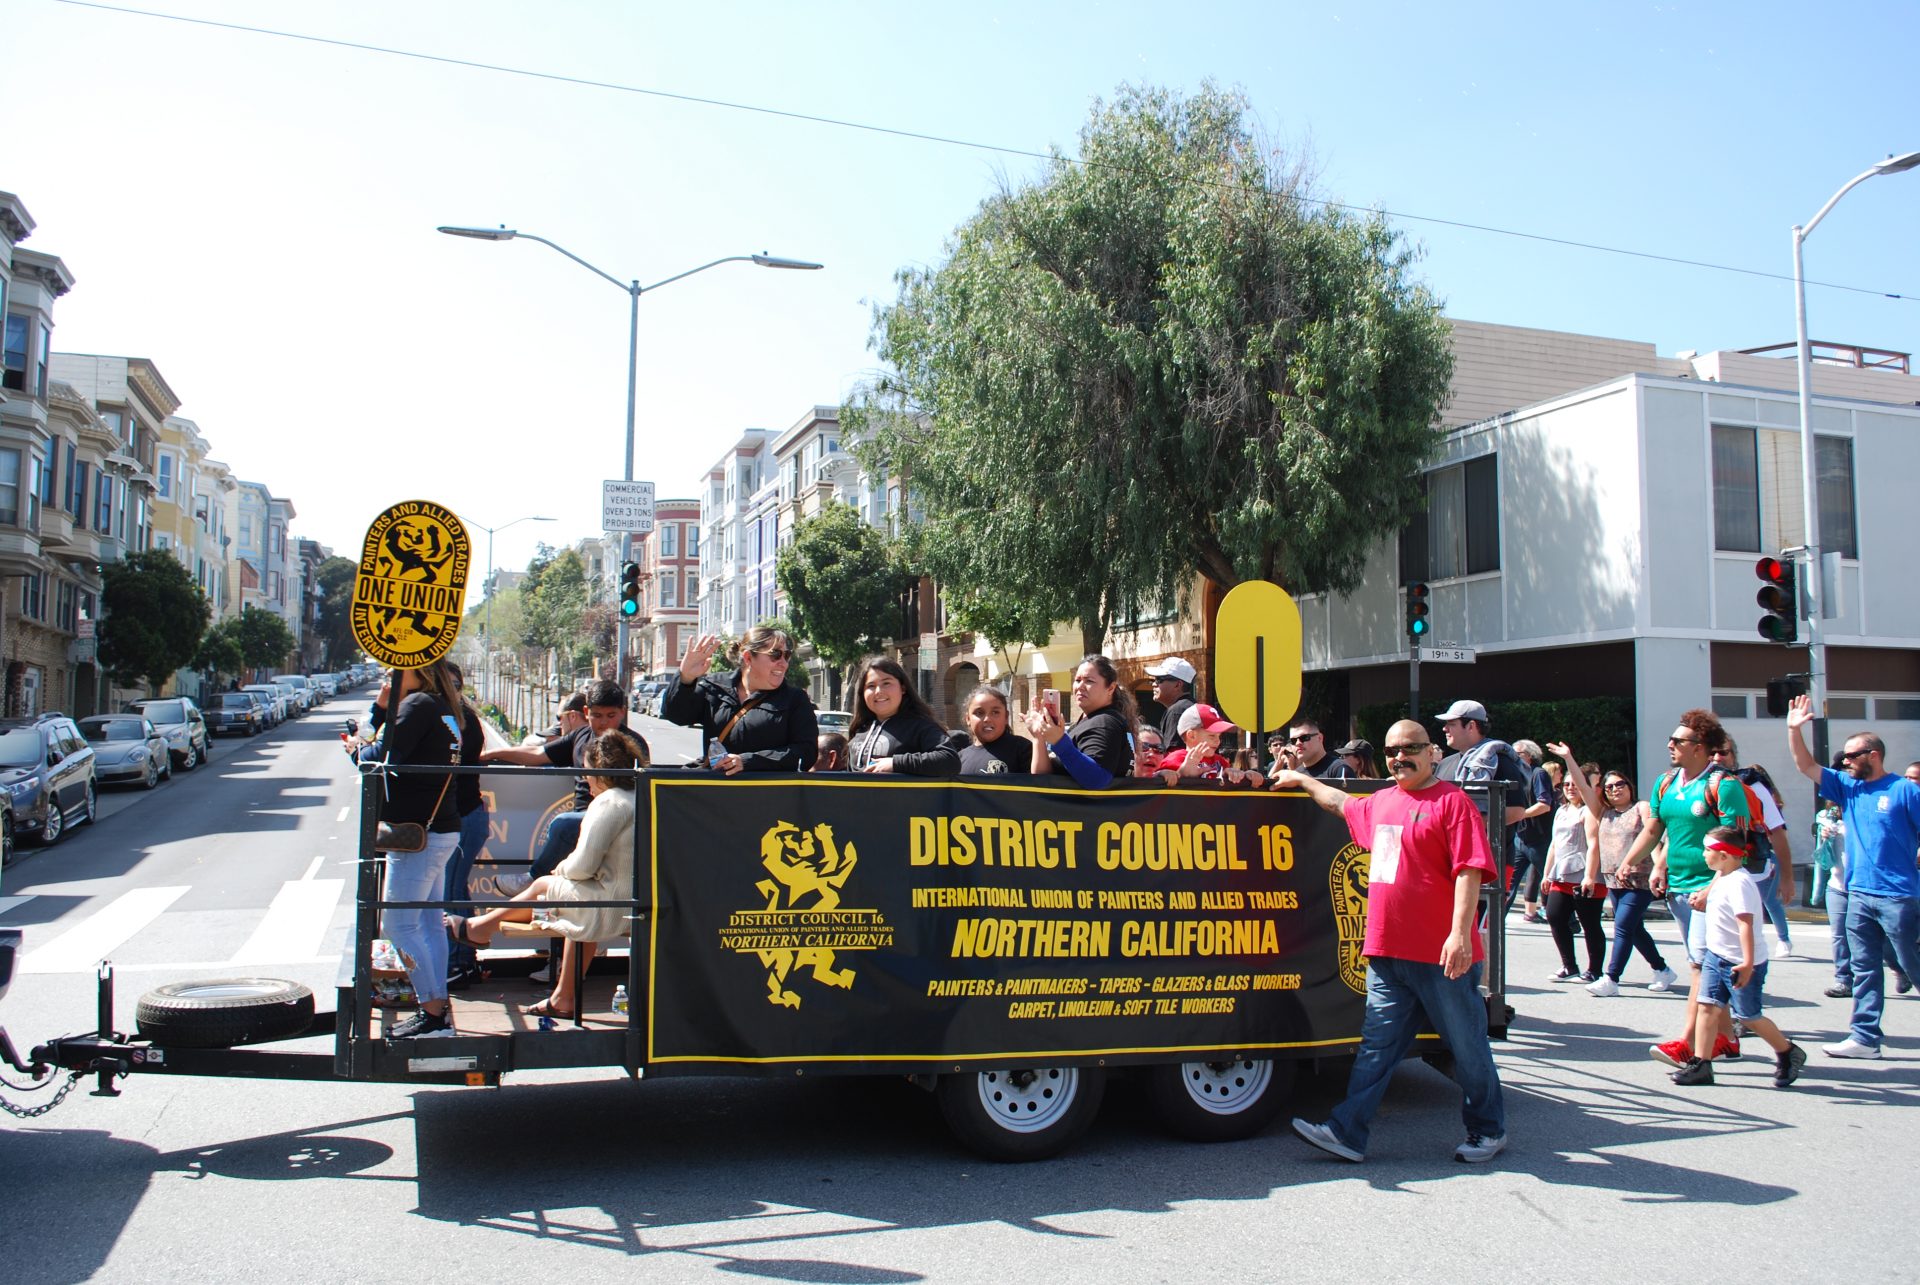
[1883,881]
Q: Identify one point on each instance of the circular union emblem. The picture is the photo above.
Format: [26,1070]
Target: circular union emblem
[411,585]
[1347,882]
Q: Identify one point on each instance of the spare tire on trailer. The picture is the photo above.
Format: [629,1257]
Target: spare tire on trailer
[221,1013]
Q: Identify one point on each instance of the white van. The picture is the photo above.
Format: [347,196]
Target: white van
[304,691]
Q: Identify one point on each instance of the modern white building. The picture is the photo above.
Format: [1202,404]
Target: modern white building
[1594,518]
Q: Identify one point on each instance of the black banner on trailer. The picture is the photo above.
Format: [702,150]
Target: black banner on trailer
[919,925]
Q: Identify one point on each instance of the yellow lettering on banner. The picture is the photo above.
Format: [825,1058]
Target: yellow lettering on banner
[1031,938]
[1173,937]
[1045,844]
[1136,845]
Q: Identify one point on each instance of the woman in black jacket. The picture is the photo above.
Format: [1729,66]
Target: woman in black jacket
[892,728]
[752,720]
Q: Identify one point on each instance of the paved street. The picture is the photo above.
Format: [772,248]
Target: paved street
[245,867]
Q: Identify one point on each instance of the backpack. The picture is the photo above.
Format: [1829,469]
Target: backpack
[1753,831]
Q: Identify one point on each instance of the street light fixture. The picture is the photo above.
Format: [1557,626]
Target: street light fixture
[633,290]
[487,626]
[1812,588]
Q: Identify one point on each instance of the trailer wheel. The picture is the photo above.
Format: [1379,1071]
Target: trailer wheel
[1021,1113]
[220,1014]
[1219,1101]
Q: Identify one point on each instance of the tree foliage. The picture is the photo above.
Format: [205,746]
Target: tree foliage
[1163,357]
[219,653]
[1011,620]
[553,599]
[843,580]
[153,618]
[264,640]
[335,577]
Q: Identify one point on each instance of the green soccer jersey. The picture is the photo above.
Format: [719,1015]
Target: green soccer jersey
[1688,812]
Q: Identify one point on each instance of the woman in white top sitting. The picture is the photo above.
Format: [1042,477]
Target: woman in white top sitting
[600,868]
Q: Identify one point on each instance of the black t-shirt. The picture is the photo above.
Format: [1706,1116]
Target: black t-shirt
[422,733]
[1102,737]
[1170,725]
[1331,767]
[571,751]
[466,789]
[1009,756]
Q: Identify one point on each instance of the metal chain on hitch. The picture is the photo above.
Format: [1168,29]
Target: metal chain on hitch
[28,1113]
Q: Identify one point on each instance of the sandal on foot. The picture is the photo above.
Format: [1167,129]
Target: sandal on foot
[546,1008]
[457,929]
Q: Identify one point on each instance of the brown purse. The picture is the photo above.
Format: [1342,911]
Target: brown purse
[407,836]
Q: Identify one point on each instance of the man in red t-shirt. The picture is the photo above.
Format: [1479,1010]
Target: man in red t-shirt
[1429,856]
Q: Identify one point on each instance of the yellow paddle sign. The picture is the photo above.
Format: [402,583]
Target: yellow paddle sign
[412,585]
[1256,655]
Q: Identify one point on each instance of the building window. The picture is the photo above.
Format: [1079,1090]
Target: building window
[1847,707]
[10,488]
[18,345]
[1736,489]
[77,496]
[166,476]
[1459,534]
[162,540]
[33,494]
[1729,705]
[246,529]
[33,596]
[64,600]
[103,506]
[693,588]
[667,586]
[693,539]
[50,477]
[1902,708]
[669,533]
[1758,504]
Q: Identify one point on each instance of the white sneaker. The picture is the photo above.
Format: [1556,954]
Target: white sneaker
[1663,981]
[541,976]
[1605,988]
[1851,1047]
[1782,948]
[1478,1149]
[1323,1137]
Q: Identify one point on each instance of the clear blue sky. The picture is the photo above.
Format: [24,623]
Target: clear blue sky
[256,214]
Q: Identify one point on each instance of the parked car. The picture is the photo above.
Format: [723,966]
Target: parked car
[275,698]
[6,850]
[833,720]
[304,693]
[46,765]
[643,697]
[329,686]
[127,748]
[184,726]
[242,713]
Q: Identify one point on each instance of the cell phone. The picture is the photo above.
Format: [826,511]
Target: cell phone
[1051,699]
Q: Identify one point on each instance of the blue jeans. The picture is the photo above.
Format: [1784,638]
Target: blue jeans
[563,832]
[473,837]
[1521,857]
[1875,925]
[1630,933]
[1769,889]
[421,935]
[1398,992]
[1837,923]
[1683,919]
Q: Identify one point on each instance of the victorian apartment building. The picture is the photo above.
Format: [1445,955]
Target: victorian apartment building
[669,560]
[95,464]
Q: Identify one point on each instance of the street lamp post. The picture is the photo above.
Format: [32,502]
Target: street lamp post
[633,290]
[487,625]
[1809,478]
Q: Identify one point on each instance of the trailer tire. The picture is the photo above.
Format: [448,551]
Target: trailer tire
[1021,1113]
[1219,1101]
[224,1012]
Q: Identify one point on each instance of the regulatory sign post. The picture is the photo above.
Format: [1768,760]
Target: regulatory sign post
[626,507]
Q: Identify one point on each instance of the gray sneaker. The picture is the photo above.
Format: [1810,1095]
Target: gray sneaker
[1323,1137]
[1478,1149]
[1786,1066]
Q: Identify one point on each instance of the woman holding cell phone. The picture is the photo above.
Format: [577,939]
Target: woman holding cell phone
[1098,747]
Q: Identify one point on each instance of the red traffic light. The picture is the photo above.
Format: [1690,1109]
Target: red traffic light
[1773,571]
[1779,597]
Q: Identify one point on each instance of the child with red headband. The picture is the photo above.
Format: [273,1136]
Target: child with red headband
[1729,975]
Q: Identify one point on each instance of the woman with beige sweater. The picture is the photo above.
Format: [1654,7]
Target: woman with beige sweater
[600,868]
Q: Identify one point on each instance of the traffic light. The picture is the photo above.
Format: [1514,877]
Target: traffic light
[1418,610]
[1781,692]
[630,589]
[1780,597]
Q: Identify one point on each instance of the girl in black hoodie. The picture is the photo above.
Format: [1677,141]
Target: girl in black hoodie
[892,729]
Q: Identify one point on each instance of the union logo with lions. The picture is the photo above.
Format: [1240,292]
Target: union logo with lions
[1347,881]
[803,927]
[411,586]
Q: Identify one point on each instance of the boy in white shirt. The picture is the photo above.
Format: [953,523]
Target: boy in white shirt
[1729,975]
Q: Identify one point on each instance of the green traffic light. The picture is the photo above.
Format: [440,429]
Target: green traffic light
[629,607]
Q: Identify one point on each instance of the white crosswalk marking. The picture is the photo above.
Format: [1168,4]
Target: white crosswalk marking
[296,923]
[8,903]
[94,938]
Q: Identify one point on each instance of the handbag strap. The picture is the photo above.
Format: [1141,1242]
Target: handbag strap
[738,715]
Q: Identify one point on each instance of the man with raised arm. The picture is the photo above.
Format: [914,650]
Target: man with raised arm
[1429,857]
[1883,886]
